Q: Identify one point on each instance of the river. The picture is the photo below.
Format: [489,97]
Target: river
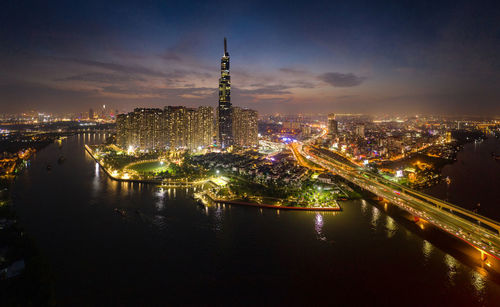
[169,250]
[475,178]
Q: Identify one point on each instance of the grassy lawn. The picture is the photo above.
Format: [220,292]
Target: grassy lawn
[149,167]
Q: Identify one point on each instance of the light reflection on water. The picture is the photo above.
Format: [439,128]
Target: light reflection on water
[364,207]
[96,183]
[478,282]
[427,249]
[218,218]
[160,202]
[452,266]
[159,221]
[318,226]
[375,216]
[391,227]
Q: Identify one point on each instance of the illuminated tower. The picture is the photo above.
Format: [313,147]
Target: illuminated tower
[225,110]
[333,125]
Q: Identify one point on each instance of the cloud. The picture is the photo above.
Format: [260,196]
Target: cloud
[102,77]
[19,96]
[292,71]
[259,89]
[337,79]
[346,97]
[142,91]
[130,69]
[302,84]
[171,56]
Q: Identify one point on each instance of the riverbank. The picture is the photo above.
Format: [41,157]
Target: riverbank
[163,183]
[241,203]
[205,198]
[186,184]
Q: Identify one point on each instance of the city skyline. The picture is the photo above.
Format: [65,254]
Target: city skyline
[142,165]
[427,58]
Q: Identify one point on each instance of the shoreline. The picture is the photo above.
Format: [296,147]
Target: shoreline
[165,184]
[242,203]
[191,184]
[199,198]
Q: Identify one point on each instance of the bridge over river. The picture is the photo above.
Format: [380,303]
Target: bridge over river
[480,232]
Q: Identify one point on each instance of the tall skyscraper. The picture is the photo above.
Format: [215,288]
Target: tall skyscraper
[225,119]
[333,126]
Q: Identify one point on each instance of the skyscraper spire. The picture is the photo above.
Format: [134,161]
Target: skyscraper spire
[225,107]
[225,47]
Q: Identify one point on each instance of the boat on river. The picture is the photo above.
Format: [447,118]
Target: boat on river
[122,212]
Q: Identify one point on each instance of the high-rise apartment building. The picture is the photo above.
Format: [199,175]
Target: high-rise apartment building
[333,125]
[225,120]
[360,130]
[174,127]
[245,129]
[205,125]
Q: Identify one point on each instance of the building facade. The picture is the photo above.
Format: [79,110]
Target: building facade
[360,130]
[245,127]
[225,118]
[174,127]
[333,125]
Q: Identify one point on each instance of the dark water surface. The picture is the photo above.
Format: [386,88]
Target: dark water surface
[172,251]
[475,178]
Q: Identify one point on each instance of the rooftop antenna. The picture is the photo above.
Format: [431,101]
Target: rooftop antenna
[225,47]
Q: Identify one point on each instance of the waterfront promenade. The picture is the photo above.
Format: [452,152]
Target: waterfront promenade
[172,183]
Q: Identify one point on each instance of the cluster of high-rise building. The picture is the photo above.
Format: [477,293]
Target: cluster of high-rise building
[102,114]
[178,127]
[174,127]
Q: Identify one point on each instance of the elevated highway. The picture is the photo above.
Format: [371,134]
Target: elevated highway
[476,230]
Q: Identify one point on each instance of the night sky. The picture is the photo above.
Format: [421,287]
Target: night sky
[286,56]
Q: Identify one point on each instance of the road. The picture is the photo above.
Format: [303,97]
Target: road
[476,230]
